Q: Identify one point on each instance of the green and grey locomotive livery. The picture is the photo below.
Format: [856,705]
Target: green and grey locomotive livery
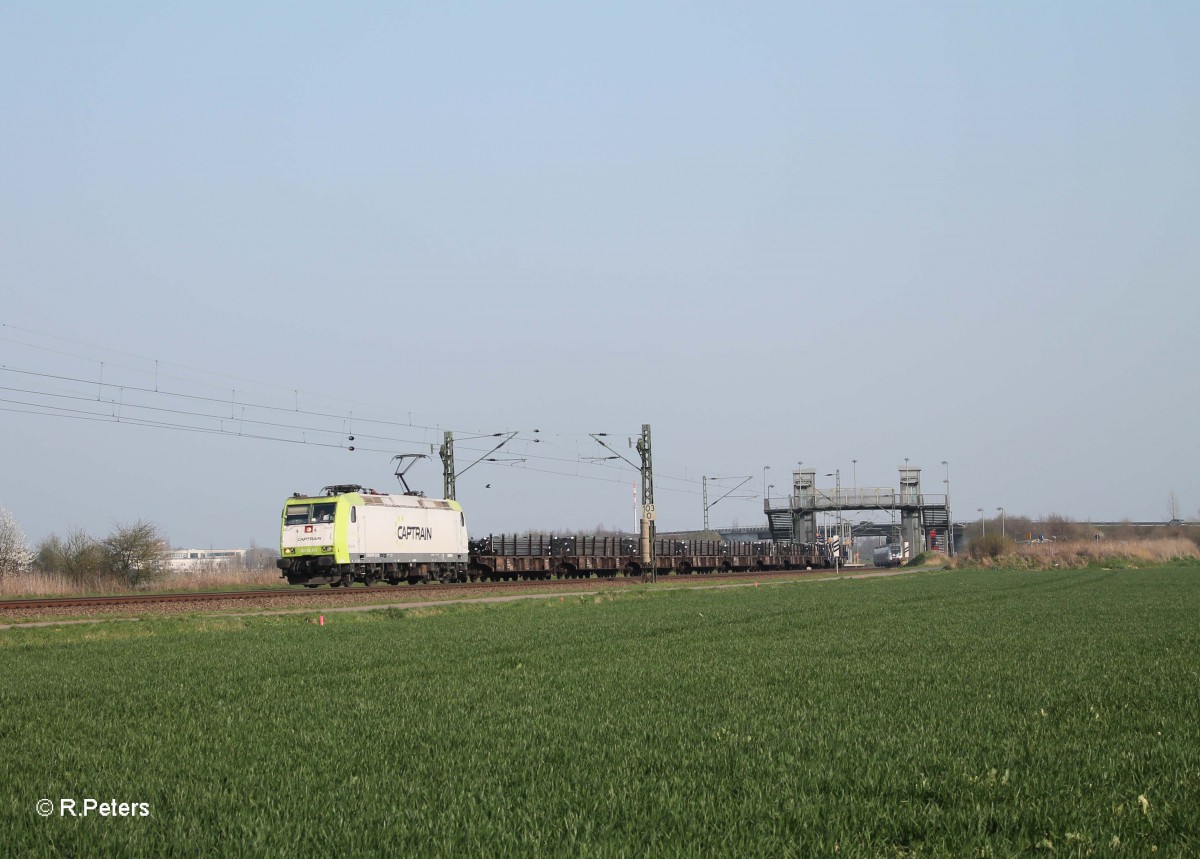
[351,534]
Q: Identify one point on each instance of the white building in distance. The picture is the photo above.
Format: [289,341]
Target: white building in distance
[195,560]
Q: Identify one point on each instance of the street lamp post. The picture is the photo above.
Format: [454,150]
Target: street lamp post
[769,488]
[766,468]
[982,522]
[1002,533]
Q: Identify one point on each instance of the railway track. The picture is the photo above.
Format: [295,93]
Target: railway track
[291,593]
[378,590]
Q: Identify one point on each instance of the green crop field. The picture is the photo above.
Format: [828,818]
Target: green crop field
[936,714]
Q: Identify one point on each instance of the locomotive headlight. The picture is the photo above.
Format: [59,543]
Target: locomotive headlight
[289,551]
[327,548]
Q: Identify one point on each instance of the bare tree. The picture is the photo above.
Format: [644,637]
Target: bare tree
[51,554]
[14,553]
[1063,528]
[1172,506]
[131,555]
[78,557]
[135,554]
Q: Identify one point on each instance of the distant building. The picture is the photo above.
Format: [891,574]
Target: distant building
[192,560]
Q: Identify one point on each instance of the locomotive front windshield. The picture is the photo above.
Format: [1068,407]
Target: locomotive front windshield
[309,514]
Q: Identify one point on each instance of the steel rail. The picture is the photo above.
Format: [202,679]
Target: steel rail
[279,593]
[378,590]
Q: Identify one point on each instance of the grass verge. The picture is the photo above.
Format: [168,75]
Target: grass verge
[1080,554]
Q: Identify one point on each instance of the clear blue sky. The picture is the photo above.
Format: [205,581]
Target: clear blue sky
[774,231]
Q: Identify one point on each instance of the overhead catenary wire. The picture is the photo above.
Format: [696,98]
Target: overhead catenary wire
[243,419]
[76,414]
[128,417]
[287,390]
[242,404]
[294,409]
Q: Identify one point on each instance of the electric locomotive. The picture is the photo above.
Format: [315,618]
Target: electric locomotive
[351,534]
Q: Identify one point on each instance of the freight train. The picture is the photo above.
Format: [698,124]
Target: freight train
[350,534]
